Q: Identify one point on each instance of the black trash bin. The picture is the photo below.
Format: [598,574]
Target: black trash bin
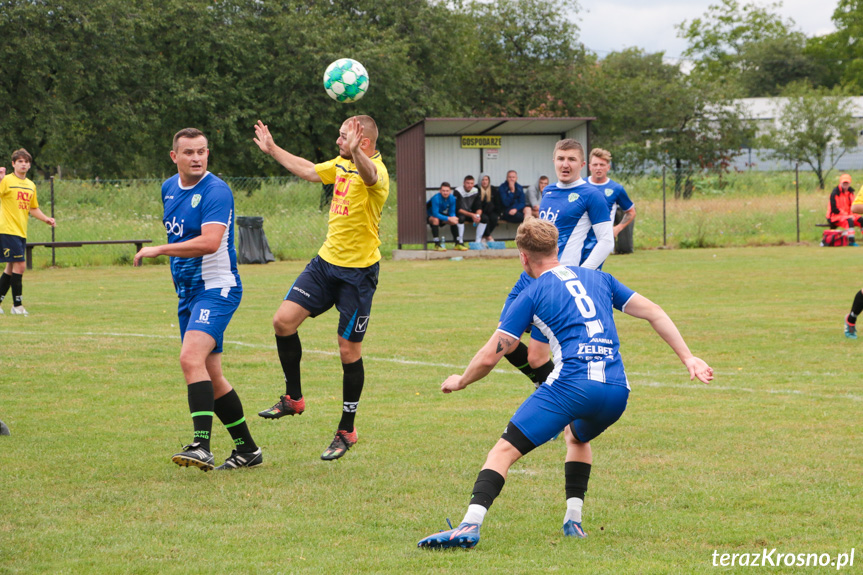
[624,243]
[252,242]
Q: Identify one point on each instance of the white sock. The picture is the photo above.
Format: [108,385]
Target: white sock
[475,514]
[573,509]
[480,231]
[460,232]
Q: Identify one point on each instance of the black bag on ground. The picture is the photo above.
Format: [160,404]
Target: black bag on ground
[252,242]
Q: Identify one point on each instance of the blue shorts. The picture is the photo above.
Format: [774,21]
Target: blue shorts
[12,248]
[522,284]
[590,406]
[209,311]
[323,285]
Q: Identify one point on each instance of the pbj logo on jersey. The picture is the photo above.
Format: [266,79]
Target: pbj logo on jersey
[204,317]
[174,228]
[548,215]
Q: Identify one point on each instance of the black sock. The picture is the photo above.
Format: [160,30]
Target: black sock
[518,358]
[541,373]
[487,487]
[229,409]
[352,387]
[201,406]
[5,283]
[454,230]
[577,474]
[856,307]
[16,289]
[290,354]
[435,232]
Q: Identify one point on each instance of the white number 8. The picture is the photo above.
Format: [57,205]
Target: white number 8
[582,300]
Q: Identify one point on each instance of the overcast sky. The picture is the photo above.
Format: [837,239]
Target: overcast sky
[609,25]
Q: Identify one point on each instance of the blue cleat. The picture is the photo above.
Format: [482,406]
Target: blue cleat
[573,529]
[850,329]
[465,535]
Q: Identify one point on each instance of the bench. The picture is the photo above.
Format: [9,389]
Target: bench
[77,244]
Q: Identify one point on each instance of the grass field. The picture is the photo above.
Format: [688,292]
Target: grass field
[766,457]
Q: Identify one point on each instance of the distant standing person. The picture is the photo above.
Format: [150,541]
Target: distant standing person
[533,197]
[199,220]
[17,203]
[512,198]
[615,194]
[344,273]
[586,393]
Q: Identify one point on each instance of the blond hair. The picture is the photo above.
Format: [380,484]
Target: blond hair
[536,236]
[601,154]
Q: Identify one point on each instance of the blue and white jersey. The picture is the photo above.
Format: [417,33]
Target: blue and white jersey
[187,211]
[574,309]
[574,209]
[615,195]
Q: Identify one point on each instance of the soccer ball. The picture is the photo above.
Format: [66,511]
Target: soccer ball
[346,80]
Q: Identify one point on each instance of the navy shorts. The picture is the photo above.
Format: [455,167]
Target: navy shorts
[589,406]
[12,248]
[323,285]
[209,311]
[522,284]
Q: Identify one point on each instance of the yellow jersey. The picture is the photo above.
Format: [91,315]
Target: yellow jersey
[17,198]
[353,231]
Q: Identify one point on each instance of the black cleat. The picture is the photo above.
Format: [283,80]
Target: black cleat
[196,456]
[237,460]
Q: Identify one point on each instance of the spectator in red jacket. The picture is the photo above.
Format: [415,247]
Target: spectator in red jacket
[841,198]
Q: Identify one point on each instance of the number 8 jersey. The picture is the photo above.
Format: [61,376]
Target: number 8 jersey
[574,308]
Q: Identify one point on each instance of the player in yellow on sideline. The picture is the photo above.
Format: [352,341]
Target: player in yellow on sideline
[344,273]
[17,204]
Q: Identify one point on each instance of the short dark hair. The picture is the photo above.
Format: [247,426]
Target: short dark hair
[187,133]
[21,153]
[445,184]
[468,177]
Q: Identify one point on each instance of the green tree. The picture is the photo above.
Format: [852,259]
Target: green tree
[814,126]
[841,52]
[748,48]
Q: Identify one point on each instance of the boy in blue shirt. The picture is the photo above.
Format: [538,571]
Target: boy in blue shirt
[442,211]
[587,390]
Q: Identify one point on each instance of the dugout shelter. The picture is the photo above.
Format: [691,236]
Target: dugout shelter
[436,150]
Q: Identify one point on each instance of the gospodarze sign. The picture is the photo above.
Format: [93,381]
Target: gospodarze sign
[480,141]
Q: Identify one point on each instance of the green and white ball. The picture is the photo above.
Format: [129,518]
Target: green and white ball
[346,80]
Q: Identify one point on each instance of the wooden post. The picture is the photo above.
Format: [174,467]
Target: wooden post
[53,251]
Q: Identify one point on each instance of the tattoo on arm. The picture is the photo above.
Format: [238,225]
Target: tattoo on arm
[503,342]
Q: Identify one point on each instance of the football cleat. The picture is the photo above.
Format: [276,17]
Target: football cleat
[439,247]
[340,445]
[194,455]
[19,310]
[466,535]
[573,529]
[285,406]
[850,329]
[461,247]
[237,460]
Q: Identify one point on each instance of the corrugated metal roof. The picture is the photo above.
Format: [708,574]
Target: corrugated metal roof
[498,126]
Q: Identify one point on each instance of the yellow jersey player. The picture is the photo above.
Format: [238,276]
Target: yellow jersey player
[344,274]
[17,203]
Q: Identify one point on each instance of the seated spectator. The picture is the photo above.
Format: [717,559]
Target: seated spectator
[491,208]
[512,198]
[533,196]
[840,214]
[469,209]
[615,194]
[441,211]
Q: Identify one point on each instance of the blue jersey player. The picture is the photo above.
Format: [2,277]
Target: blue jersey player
[587,390]
[615,194]
[585,239]
[199,220]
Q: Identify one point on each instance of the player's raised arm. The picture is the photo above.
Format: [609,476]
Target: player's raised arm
[294,164]
[642,308]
